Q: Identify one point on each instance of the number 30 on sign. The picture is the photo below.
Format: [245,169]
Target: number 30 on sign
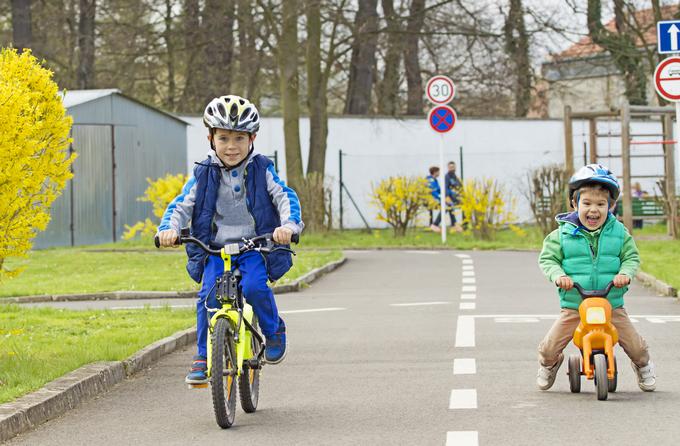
[440,90]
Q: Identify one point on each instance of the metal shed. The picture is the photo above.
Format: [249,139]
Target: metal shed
[120,142]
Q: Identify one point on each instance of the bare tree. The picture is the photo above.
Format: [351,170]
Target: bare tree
[362,64]
[86,30]
[22,35]
[191,22]
[168,38]
[621,45]
[217,27]
[414,103]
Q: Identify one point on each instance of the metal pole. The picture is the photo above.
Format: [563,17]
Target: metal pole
[585,153]
[113,178]
[669,169]
[593,140]
[442,188]
[340,185]
[276,160]
[460,150]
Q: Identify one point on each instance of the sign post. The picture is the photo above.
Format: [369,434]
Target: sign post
[440,91]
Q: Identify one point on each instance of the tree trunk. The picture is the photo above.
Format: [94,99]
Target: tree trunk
[363,59]
[388,97]
[85,79]
[316,94]
[249,58]
[289,84]
[193,71]
[414,105]
[517,48]
[621,45]
[170,56]
[218,37]
[22,35]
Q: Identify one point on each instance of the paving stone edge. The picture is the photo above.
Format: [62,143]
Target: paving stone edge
[657,285]
[67,392]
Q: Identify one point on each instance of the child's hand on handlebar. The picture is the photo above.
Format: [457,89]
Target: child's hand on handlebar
[565,283]
[621,280]
[168,237]
[282,235]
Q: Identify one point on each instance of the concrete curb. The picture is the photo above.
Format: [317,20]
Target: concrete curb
[135,295]
[67,392]
[657,285]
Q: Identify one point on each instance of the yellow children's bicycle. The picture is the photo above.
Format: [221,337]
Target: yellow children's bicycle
[596,337]
[235,345]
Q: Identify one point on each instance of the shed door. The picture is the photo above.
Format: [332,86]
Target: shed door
[92,185]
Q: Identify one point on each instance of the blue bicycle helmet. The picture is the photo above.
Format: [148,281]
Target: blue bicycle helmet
[594,174]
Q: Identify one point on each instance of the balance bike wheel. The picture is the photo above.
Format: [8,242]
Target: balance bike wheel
[613,382]
[601,381]
[575,373]
[222,375]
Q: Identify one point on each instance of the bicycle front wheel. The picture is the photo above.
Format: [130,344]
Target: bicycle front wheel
[223,374]
[249,381]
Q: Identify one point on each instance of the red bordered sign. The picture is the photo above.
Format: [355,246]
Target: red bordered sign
[667,79]
[440,90]
[442,118]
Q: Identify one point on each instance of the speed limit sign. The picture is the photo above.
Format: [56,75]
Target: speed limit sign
[440,89]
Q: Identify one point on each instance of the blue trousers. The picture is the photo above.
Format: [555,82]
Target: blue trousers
[255,291]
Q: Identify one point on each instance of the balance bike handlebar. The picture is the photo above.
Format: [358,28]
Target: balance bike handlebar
[593,293]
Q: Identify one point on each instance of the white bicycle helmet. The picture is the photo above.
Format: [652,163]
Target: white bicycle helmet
[594,174]
[232,112]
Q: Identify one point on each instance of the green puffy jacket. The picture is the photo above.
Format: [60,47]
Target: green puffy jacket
[590,258]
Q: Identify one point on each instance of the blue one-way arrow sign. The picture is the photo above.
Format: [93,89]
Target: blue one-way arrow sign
[667,36]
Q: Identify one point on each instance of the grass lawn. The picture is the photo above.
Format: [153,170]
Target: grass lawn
[131,267]
[38,345]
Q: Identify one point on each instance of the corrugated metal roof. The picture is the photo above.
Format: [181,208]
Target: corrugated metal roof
[76,97]
[73,98]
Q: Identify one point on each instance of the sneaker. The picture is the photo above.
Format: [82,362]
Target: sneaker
[275,348]
[646,376]
[197,374]
[546,375]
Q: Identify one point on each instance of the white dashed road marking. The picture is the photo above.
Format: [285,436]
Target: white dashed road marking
[464,366]
[469,280]
[468,296]
[469,289]
[463,399]
[468,267]
[463,256]
[415,304]
[467,306]
[462,438]
[467,261]
[468,273]
[465,331]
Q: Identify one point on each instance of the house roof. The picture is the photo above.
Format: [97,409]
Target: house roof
[72,98]
[644,20]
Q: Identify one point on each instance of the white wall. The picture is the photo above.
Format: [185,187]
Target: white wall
[377,148]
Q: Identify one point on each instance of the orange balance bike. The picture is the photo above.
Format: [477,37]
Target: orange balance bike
[596,337]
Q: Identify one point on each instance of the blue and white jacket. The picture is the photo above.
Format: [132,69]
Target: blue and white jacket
[226,204]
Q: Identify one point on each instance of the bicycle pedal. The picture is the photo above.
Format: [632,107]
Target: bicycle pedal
[198,386]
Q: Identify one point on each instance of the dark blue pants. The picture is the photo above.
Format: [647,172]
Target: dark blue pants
[255,290]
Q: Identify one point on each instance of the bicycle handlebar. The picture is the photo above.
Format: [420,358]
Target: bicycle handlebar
[594,293]
[235,248]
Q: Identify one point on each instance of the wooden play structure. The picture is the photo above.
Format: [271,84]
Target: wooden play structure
[653,208]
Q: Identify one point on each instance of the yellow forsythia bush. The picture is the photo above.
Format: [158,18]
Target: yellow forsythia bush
[485,208]
[399,199]
[34,141]
[159,193]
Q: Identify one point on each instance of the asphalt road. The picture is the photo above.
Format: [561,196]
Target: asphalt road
[371,362]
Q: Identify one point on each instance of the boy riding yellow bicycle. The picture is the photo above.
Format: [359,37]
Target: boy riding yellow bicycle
[234,194]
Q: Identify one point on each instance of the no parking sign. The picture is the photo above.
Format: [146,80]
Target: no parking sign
[442,118]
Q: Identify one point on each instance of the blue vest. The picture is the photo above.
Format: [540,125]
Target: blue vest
[259,204]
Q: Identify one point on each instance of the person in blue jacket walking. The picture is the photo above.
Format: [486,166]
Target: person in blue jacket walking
[433,182]
[234,193]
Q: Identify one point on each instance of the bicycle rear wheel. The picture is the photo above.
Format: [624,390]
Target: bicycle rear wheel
[249,381]
[223,374]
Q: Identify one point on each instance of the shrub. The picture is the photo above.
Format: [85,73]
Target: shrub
[485,208]
[547,195]
[34,141]
[160,193]
[400,199]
